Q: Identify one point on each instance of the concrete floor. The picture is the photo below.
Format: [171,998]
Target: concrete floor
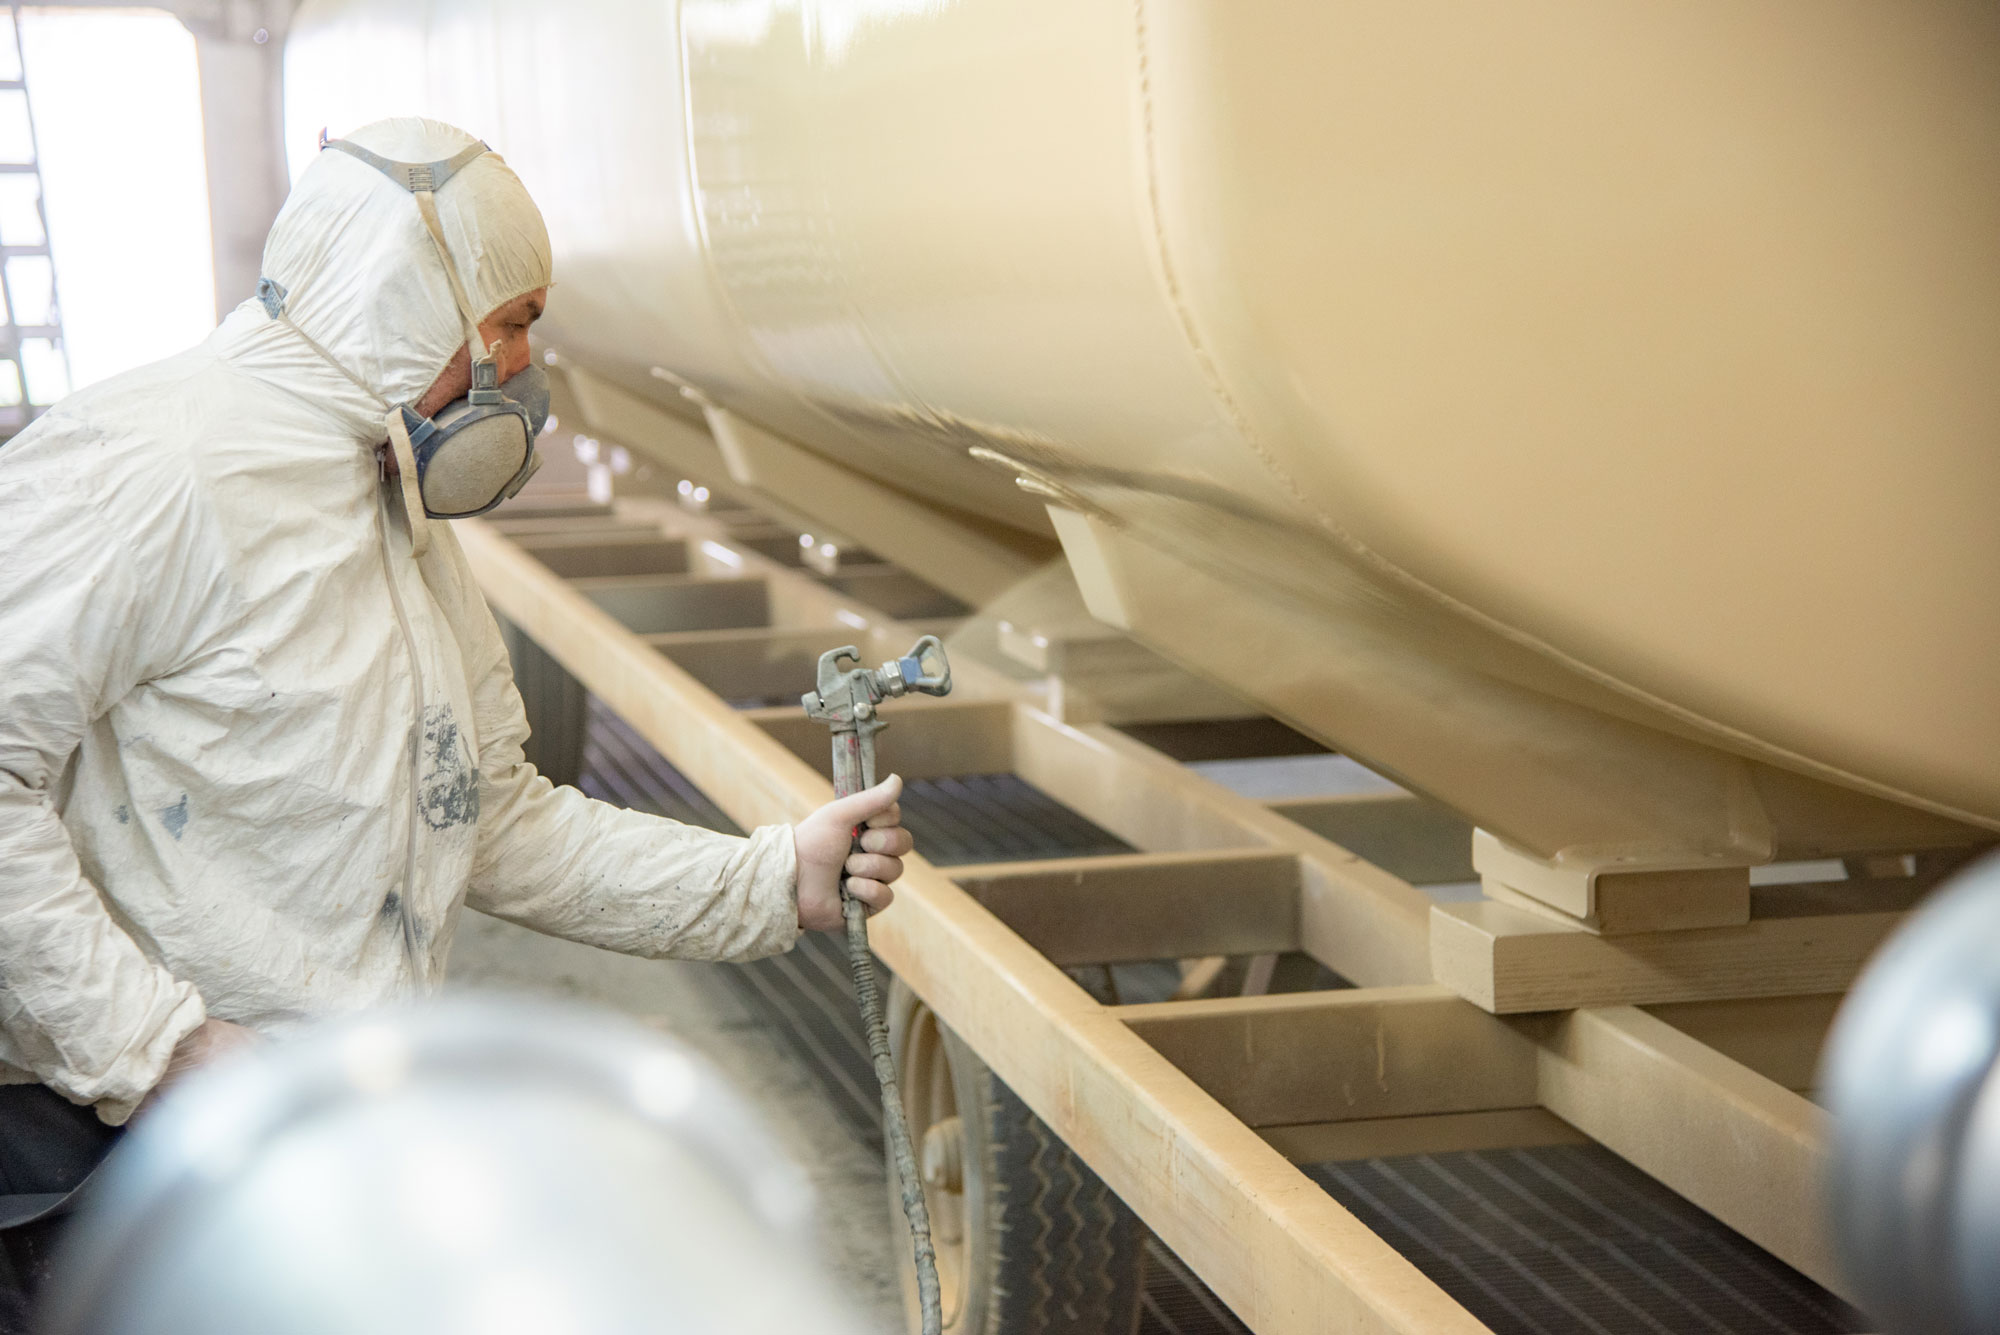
[698,1005]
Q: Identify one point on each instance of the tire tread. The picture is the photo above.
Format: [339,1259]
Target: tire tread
[1069,1250]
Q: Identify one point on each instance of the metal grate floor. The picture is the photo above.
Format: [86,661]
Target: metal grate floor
[1572,1240]
[1176,1302]
[997,818]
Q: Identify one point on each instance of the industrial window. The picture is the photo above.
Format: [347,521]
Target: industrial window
[104,229]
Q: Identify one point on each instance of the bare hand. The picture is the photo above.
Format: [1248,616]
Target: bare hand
[824,839]
[212,1041]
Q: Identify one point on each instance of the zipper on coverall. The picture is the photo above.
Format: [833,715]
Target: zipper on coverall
[419,969]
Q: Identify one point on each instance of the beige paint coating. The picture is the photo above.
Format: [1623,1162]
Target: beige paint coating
[1642,359]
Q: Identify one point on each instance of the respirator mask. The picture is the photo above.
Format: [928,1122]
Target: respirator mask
[479,450]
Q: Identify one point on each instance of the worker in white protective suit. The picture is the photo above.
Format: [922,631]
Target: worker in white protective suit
[259,738]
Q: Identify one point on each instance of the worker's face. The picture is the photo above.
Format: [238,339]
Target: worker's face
[509,327]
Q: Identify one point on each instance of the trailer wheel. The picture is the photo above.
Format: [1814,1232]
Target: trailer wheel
[1029,1240]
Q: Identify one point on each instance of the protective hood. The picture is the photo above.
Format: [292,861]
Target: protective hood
[356,271]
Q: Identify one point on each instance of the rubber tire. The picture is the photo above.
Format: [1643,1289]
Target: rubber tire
[1049,1249]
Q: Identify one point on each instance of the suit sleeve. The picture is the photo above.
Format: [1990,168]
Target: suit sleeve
[562,863]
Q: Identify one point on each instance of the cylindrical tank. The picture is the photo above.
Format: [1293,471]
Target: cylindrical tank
[1645,358]
[472,1166]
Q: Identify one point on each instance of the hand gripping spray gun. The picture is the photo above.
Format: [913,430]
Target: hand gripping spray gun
[846,701]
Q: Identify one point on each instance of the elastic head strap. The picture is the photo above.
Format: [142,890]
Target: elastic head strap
[412,176]
[281,317]
[427,205]
[424,180]
[408,483]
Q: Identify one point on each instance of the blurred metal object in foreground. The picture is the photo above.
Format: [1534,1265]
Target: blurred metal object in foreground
[1910,1077]
[482,1165]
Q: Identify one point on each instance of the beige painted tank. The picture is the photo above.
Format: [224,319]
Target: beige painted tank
[1589,414]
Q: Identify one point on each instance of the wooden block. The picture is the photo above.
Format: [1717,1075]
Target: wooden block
[1669,901]
[1614,901]
[1338,1056]
[1145,906]
[1440,1133]
[1648,902]
[1508,960]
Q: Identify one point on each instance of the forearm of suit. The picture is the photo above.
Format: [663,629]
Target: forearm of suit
[90,1015]
[559,862]
[554,860]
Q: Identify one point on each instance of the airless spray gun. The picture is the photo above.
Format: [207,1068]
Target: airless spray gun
[846,702]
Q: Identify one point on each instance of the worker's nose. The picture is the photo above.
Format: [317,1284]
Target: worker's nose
[513,359]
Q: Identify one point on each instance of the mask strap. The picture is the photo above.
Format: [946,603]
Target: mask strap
[427,205]
[424,179]
[282,318]
[399,439]
[406,475]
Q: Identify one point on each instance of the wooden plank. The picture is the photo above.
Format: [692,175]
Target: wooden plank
[1152,807]
[1508,960]
[1741,1147]
[925,739]
[1400,832]
[1332,1056]
[1441,1133]
[1281,1252]
[1145,906]
[1359,920]
[895,592]
[749,662]
[1362,922]
[757,662]
[973,565]
[800,602]
[647,604]
[1731,1140]
[585,555]
[520,527]
[680,446]
[1270,1243]
[1191,741]
[1777,1037]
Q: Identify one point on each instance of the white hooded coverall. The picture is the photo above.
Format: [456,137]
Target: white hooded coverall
[207,704]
